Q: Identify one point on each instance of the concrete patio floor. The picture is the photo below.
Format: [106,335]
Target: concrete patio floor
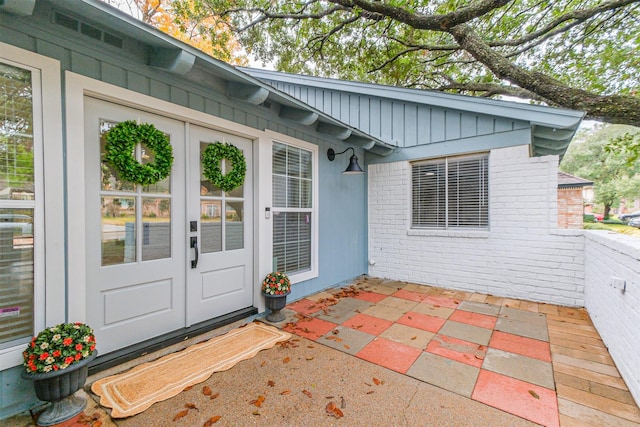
[393,353]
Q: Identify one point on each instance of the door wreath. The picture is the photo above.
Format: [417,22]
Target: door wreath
[211,159]
[120,152]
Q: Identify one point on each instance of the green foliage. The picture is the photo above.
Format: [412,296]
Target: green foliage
[588,218]
[120,152]
[211,164]
[627,145]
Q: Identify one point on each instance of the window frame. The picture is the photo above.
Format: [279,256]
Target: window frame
[446,211]
[314,210]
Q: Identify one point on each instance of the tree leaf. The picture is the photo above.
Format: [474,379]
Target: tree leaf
[258,402]
[308,393]
[286,360]
[534,394]
[206,390]
[211,421]
[181,414]
[271,383]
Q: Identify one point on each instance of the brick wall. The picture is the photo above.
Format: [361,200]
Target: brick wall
[615,313]
[570,210]
[523,255]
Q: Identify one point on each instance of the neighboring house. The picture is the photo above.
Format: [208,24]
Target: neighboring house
[459,192]
[571,200]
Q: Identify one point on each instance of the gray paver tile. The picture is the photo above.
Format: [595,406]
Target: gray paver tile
[445,373]
[347,339]
[407,335]
[524,329]
[479,307]
[432,310]
[385,312]
[466,332]
[523,316]
[399,303]
[344,310]
[520,367]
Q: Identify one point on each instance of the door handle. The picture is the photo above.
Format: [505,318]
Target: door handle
[194,245]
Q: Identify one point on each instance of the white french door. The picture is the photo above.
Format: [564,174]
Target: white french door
[143,241]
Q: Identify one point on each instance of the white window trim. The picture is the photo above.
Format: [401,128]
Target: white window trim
[268,246]
[49,299]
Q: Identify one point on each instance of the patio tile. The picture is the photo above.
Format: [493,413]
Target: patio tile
[455,349]
[368,324]
[466,332]
[520,367]
[523,316]
[304,306]
[529,401]
[409,295]
[310,328]
[618,409]
[402,304]
[623,396]
[345,309]
[407,335]
[590,376]
[480,307]
[523,346]
[529,306]
[442,301]
[414,287]
[393,355]
[549,309]
[445,373]
[347,340]
[586,364]
[432,310]
[582,353]
[525,329]
[319,296]
[384,312]
[373,297]
[476,319]
[494,300]
[475,297]
[421,321]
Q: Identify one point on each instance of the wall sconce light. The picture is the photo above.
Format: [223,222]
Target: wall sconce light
[353,168]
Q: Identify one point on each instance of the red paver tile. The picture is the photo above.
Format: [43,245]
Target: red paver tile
[521,345]
[310,328]
[476,319]
[390,354]
[422,321]
[409,295]
[369,324]
[526,400]
[453,348]
[442,301]
[305,306]
[370,296]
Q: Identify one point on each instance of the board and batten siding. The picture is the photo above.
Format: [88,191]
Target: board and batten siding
[405,124]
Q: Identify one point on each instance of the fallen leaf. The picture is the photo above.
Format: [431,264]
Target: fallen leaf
[211,421]
[368,384]
[338,339]
[206,390]
[286,360]
[335,332]
[370,392]
[376,381]
[285,392]
[328,397]
[333,410]
[256,412]
[213,396]
[258,402]
[310,358]
[534,394]
[263,363]
[188,388]
[343,403]
[97,423]
[191,406]
[271,383]
[181,414]
[331,337]
[308,393]
[310,346]
[347,346]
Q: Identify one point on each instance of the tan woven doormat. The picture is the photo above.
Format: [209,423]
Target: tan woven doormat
[134,391]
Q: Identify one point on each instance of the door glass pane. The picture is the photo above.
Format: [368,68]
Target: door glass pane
[234,226]
[156,228]
[109,176]
[211,225]
[16,276]
[17,183]
[118,230]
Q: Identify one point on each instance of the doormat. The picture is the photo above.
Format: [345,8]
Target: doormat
[134,391]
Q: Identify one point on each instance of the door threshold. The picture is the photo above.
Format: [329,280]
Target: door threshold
[126,354]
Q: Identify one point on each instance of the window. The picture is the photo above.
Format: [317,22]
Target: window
[450,193]
[293,209]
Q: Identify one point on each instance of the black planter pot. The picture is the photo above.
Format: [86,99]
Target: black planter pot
[275,303]
[58,387]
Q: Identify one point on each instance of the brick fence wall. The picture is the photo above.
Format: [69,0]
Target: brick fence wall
[570,208]
[523,254]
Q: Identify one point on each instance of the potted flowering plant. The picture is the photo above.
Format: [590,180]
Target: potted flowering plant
[276,283]
[57,360]
[275,288]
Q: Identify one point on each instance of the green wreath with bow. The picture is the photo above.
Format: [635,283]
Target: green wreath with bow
[121,141]
[211,161]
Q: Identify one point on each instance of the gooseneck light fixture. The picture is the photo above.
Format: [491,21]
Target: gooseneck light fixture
[353,168]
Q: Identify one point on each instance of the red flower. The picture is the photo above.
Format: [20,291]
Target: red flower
[56,367]
[44,356]
[57,353]
[33,367]
[79,347]
[93,347]
[68,360]
[67,341]
[78,356]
